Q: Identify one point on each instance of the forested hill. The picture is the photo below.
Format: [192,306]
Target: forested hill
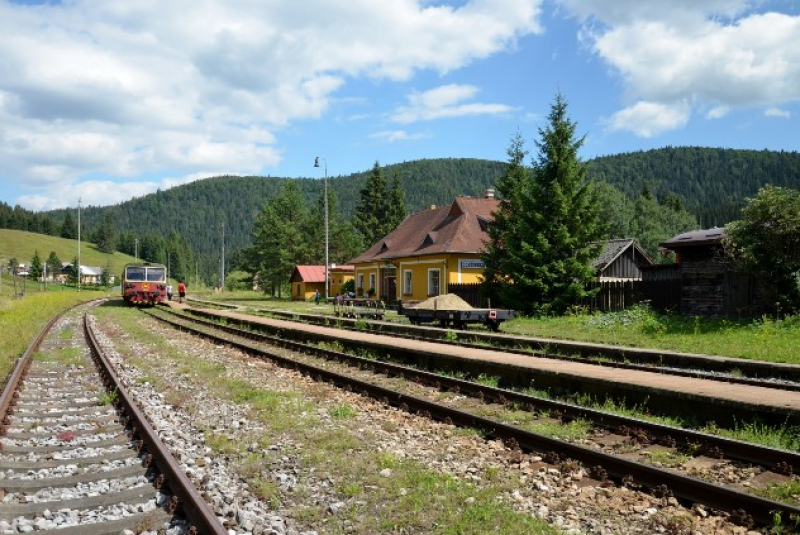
[712,183]
[198,210]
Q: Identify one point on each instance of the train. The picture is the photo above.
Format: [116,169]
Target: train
[144,283]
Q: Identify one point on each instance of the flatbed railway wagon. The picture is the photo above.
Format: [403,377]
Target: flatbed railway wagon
[144,283]
[459,319]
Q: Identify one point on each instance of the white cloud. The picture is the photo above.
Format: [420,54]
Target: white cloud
[102,192]
[778,112]
[397,135]
[714,53]
[445,101]
[123,89]
[718,112]
[649,119]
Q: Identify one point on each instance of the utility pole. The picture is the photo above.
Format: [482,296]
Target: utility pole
[79,245]
[222,273]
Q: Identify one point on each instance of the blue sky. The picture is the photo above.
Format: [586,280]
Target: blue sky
[107,101]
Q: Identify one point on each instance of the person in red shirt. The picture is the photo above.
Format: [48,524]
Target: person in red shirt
[181,291]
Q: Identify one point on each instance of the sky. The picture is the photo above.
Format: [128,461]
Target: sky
[105,101]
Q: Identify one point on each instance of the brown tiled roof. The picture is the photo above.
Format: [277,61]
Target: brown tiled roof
[456,228]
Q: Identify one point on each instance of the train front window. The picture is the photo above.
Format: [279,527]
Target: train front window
[134,274]
[156,274]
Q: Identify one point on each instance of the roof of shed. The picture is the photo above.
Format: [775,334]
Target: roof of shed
[613,249]
[308,274]
[695,238]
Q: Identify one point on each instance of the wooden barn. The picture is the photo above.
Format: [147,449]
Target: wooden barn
[621,260]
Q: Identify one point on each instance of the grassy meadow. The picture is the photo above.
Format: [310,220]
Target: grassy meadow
[22,319]
[22,245]
[764,338]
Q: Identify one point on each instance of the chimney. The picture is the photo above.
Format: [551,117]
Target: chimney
[489,193]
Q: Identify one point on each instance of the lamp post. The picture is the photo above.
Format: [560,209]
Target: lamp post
[316,164]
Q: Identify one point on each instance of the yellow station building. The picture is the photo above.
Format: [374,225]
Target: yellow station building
[427,252]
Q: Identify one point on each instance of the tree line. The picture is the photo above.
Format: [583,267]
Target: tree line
[288,232]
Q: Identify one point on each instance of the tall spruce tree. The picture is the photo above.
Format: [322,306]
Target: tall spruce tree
[397,210]
[53,264]
[540,255]
[344,241]
[69,229]
[510,188]
[35,270]
[379,209]
[106,236]
[278,241]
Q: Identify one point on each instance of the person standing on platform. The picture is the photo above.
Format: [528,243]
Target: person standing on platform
[181,291]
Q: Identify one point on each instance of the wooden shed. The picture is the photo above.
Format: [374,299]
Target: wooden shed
[306,281]
[709,285]
[621,260]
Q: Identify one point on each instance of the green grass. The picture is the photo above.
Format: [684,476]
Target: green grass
[22,319]
[409,498]
[22,245]
[638,326]
[70,356]
[760,339]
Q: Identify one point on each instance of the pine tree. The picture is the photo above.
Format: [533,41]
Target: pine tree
[53,264]
[279,243]
[69,229]
[396,210]
[370,218]
[550,234]
[35,270]
[106,236]
[73,271]
[344,242]
[510,189]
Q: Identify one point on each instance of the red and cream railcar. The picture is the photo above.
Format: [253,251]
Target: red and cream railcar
[144,283]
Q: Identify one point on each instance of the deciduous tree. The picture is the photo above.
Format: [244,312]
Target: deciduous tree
[766,242]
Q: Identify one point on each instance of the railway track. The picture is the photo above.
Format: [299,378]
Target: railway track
[76,452]
[730,370]
[619,445]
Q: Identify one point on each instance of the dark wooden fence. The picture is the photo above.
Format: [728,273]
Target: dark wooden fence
[471,293]
[613,295]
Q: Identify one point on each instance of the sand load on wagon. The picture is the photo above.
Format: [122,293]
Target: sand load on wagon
[444,302]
